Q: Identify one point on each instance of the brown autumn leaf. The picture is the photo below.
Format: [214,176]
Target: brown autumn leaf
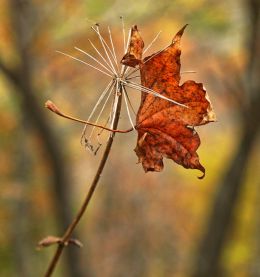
[166,129]
[135,49]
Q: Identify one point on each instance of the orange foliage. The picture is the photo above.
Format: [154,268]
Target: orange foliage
[166,129]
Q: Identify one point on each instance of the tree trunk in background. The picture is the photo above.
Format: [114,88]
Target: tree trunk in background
[21,15]
[221,218]
[207,261]
[254,265]
[21,214]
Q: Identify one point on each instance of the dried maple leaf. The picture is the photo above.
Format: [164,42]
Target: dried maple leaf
[166,129]
[135,49]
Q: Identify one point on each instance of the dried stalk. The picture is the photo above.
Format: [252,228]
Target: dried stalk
[65,239]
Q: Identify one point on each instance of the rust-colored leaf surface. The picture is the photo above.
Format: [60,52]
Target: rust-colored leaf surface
[166,129]
[135,49]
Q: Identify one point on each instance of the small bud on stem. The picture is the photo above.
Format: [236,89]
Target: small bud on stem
[52,107]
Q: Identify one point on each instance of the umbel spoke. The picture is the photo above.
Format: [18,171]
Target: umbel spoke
[96,105]
[105,47]
[98,52]
[88,64]
[108,91]
[154,93]
[94,59]
[113,48]
[127,108]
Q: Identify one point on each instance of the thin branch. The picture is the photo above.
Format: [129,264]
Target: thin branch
[98,52]
[76,59]
[128,99]
[105,47]
[130,78]
[154,93]
[114,105]
[127,108]
[102,109]
[52,107]
[124,68]
[187,71]
[93,58]
[123,29]
[108,87]
[89,195]
[113,47]
[152,42]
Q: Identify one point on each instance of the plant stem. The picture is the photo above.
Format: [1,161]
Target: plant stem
[89,195]
[52,107]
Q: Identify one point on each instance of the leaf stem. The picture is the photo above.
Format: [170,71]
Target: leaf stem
[89,195]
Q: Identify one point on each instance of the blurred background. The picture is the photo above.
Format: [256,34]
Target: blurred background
[154,224]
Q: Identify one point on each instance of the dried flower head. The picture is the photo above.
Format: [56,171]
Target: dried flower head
[121,77]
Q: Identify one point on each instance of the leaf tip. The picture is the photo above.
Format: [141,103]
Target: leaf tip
[134,28]
[179,34]
[202,169]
